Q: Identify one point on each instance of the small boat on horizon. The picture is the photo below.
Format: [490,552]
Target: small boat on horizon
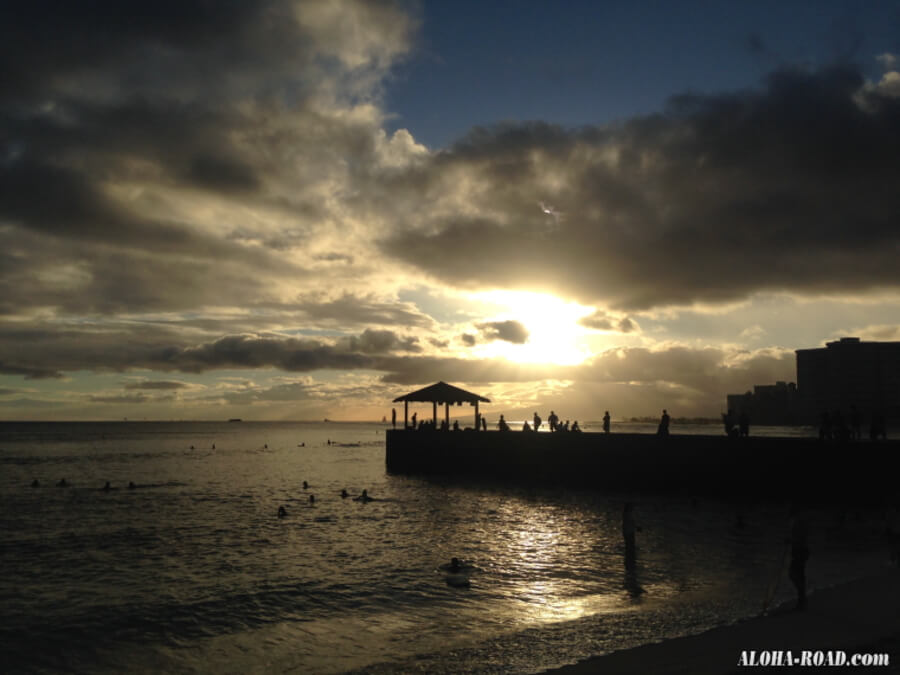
[235,419]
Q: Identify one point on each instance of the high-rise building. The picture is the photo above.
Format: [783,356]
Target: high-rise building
[849,372]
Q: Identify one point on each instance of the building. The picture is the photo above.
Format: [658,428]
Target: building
[849,372]
[777,403]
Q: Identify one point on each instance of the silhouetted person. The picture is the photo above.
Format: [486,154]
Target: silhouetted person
[744,424]
[799,542]
[344,493]
[525,426]
[455,566]
[537,421]
[282,512]
[62,483]
[393,418]
[107,487]
[455,425]
[131,485]
[575,426]
[839,429]
[728,421]
[364,497]
[502,425]
[35,483]
[444,425]
[565,426]
[483,423]
[213,446]
[552,420]
[663,428]
[312,500]
[414,420]
[628,530]
[305,485]
[606,421]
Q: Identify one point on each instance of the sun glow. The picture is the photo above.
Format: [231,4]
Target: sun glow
[554,334]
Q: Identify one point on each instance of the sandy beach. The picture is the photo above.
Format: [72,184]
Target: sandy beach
[860,617]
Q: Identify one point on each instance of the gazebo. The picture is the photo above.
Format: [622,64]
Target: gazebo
[440,392]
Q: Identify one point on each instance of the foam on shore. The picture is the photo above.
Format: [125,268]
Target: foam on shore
[858,617]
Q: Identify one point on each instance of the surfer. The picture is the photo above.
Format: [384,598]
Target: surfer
[364,497]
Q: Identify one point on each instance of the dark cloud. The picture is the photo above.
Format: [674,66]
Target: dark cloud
[468,339]
[508,331]
[157,385]
[381,342]
[791,187]
[600,320]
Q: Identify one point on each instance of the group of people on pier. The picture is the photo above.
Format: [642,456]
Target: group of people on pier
[834,426]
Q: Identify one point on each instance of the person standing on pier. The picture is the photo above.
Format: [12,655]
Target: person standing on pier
[663,429]
[552,420]
[393,418]
[606,422]
[537,421]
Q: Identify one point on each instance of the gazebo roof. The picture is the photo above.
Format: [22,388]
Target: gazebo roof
[442,392]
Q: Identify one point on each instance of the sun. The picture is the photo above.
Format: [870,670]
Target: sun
[555,335]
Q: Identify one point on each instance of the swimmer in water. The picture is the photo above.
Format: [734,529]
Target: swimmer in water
[131,485]
[282,512]
[344,493]
[305,485]
[62,483]
[107,487]
[364,497]
[312,500]
[35,483]
[455,565]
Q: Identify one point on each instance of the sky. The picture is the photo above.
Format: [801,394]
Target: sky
[297,210]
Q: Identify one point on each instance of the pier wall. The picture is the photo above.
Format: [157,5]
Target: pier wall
[761,467]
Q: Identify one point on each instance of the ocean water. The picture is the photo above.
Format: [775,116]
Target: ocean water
[192,571]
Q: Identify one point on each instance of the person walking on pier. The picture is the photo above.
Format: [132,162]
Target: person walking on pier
[393,418]
[606,422]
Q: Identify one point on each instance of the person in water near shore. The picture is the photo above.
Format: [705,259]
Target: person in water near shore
[364,497]
[606,420]
[344,493]
[131,485]
[107,487]
[628,530]
[282,512]
[799,542]
[312,500]
[35,483]
[305,485]
[62,483]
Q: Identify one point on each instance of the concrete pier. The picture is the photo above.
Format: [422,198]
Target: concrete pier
[755,467]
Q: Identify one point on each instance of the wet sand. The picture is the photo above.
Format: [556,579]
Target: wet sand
[862,616]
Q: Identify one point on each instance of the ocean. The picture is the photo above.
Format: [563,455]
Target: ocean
[192,570]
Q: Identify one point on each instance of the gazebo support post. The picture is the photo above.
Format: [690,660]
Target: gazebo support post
[447,414]
[405,414]
[434,411]
[477,417]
